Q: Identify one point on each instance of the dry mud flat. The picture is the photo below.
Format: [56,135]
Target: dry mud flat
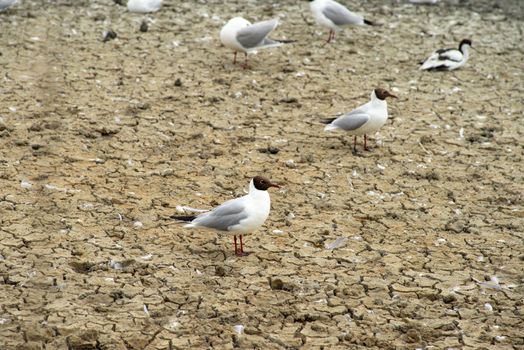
[99,142]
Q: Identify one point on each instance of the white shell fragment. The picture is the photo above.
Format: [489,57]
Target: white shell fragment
[26,184]
[239,329]
[337,243]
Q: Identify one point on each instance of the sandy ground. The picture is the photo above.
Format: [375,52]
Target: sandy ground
[100,141]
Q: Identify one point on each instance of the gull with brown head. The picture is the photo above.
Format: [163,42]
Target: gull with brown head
[366,119]
[238,216]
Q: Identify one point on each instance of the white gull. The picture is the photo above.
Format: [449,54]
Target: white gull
[237,216]
[365,119]
[334,16]
[240,35]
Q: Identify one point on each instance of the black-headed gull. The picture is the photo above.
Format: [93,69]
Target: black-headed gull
[333,15]
[365,119]
[238,216]
[144,6]
[5,4]
[239,34]
[448,59]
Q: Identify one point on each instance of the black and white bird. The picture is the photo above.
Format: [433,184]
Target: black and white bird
[238,216]
[334,16]
[448,59]
[240,35]
[365,119]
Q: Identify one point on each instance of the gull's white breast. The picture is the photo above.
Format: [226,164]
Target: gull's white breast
[316,8]
[258,205]
[229,32]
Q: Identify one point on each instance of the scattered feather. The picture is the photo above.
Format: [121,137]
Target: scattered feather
[183,209]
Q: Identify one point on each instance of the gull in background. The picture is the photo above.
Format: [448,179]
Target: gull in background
[423,2]
[144,6]
[365,119]
[240,35]
[333,15]
[5,4]
[237,216]
[448,59]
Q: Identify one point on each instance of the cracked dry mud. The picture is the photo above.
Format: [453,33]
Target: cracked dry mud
[100,141]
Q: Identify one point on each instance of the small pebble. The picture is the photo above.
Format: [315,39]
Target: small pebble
[291,163]
[273,150]
[276,284]
[220,271]
[108,35]
[144,27]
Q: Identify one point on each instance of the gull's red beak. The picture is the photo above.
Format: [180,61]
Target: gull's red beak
[274,185]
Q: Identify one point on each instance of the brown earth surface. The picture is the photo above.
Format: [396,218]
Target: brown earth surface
[101,141]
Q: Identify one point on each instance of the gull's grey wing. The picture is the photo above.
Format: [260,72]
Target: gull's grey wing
[224,216]
[351,121]
[340,15]
[250,37]
[6,4]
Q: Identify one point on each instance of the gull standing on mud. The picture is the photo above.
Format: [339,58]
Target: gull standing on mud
[238,216]
[240,35]
[5,4]
[333,15]
[448,59]
[423,2]
[365,119]
[144,6]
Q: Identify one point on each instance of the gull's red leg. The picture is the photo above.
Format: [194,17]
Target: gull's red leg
[241,251]
[235,58]
[245,67]
[241,245]
[329,37]
[355,144]
[366,142]
[236,250]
